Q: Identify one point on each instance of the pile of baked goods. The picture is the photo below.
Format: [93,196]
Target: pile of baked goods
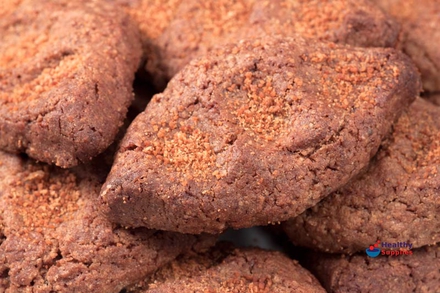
[133,133]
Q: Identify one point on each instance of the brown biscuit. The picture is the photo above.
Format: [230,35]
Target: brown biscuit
[433,98]
[199,25]
[417,272]
[66,73]
[152,16]
[420,38]
[233,270]
[396,199]
[256,133]
[196,27]
[53,237]
[356,23]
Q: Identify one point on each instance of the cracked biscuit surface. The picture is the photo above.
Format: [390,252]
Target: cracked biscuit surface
[198,26]
[225,269]
[417,272]
[66,73]
[397,199]
[54,238]
[256,133]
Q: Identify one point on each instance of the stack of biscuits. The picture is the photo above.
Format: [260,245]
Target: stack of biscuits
[134,133]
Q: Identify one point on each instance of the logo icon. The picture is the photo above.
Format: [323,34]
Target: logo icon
[373,250]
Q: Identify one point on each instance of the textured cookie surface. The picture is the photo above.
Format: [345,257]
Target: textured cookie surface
[420,37]
[66,72]
[197,26]
[416,272]
[234,270]
[53,237]
[151,16]
[255,133]
[396,199]
[8,6]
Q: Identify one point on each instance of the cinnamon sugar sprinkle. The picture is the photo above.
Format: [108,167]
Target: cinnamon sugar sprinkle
[53,199]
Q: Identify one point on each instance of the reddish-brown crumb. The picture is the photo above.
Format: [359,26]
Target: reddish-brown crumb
[151,16]
[54,238]
[198,26]
[357,23]
[66,73]
[8,6]
[395,200]
[420,35]
[183,149]
[47,80]
[256,132]
[225,269]
[51,200]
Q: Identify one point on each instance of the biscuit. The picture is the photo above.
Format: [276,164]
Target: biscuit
[396,199]
[225,269]
[356,23]
[200,25]
[255,133]
[420,36]
[434,98]
[66,73]
[151,16]
[54,238]
[417,272]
